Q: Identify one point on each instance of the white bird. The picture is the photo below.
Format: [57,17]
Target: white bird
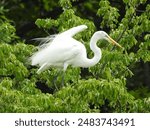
[62,50]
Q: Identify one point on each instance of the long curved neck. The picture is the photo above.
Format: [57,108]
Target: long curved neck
[95,49]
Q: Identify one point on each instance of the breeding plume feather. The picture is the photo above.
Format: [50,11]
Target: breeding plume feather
[62,50]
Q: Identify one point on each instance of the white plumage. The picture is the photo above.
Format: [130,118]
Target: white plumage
[62,50]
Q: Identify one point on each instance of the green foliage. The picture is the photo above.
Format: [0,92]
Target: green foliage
[102,88]
[7,32]
[108,13]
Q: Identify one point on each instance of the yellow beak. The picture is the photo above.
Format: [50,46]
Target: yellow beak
[114,42]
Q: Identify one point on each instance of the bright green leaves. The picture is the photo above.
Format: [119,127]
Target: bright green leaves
[72,76]
[128,41]
[144,51]
[67,18]
[65,4]
[6,84]
[7,32]
[46,23]
[10,65]
[95,95]
[108,13]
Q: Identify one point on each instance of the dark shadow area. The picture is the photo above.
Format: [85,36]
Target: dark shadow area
[106,108]
[44,88]
[141,75]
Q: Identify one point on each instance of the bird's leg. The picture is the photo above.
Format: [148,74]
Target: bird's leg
[55,79]
[63,74]
[63,79]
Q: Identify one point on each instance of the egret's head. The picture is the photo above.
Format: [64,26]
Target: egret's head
[104,35]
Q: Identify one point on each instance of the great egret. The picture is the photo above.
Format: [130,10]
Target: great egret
[62,50]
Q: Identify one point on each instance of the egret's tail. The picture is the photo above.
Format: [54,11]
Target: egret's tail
[38,58]
[45,41]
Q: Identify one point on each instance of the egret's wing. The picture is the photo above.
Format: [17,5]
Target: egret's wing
[46,41]
[71,32]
